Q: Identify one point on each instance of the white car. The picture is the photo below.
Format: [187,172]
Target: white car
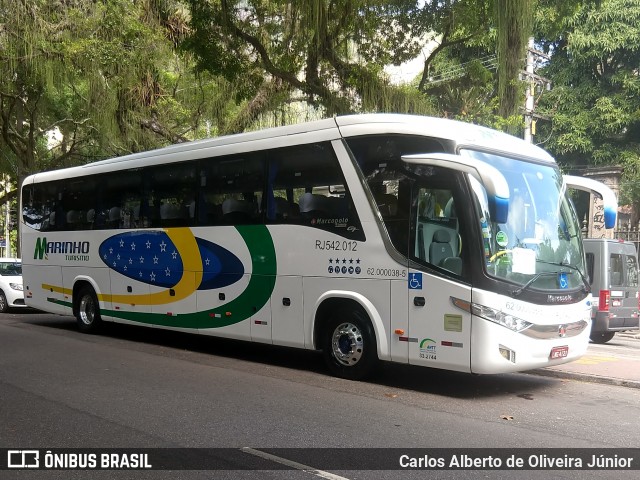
[11,292]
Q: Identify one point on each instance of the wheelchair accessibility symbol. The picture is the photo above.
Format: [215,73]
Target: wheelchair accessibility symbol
[415,281]
[563,282]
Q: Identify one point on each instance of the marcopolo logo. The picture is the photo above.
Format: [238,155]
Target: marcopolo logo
[77,251]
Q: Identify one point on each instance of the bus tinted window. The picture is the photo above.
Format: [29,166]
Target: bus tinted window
[306,187]
[169,197]
[119,200]
[231,190]
[42,206]
[389,178]
[301,185]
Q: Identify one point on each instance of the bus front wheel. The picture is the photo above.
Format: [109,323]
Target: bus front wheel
[88,311]
[349,347]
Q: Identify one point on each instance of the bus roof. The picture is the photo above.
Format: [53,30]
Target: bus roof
[462,134]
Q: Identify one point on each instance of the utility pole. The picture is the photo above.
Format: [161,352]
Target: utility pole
[534,83]
[530,92]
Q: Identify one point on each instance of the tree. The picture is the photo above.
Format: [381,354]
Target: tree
[105,75]
[331,52]
[595,102]
[514,26]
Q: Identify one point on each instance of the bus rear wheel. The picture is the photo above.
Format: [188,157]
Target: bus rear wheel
[88,311]
[349,347]
[603,337]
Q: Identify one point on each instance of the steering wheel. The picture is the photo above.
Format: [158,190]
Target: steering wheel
[498,254]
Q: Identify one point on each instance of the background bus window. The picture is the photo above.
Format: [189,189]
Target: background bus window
[170,197]
[231,190]
[78,198]
[39,206]
[119,201]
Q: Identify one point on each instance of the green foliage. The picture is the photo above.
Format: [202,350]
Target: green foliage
[514,23]
[106,75]
[120,76]
[330,54]
[594,105]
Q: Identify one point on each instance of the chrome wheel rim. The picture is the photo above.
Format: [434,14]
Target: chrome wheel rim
[87,310]
[347,344]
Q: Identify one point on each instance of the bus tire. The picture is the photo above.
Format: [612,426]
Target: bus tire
[88,311]
[602,337]
[349,346]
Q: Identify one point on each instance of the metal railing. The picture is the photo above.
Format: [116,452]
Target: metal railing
[628,232]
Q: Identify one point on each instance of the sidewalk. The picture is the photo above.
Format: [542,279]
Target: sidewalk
[621,369]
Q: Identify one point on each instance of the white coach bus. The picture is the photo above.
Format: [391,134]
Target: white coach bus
[370,237]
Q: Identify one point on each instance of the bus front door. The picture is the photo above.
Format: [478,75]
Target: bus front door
[439,332]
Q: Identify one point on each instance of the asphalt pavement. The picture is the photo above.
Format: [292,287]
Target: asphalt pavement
[601,367]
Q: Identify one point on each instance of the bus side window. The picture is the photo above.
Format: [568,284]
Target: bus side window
[231,190]
[306,184]
[438,240]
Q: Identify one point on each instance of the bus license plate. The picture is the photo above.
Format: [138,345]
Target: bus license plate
[559,352]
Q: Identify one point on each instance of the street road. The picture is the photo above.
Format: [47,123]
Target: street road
[623,343]
[136,387]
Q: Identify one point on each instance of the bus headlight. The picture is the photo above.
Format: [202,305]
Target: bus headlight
[498,316]
[512,322]
[16,286]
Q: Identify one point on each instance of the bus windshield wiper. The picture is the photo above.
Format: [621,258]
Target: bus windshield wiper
[518,291]
[586,287]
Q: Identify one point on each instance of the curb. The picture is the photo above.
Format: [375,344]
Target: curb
[620,382]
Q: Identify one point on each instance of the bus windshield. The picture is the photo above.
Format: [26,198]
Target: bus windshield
[540,246]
